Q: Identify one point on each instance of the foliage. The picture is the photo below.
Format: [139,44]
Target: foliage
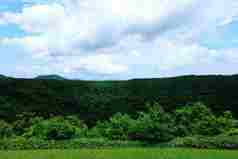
[232,132]
[117,128]
[21,143]
[6,130]
[219,142]
[24,121]
[198,119]
[153,126]
[81,129]
[7,107]
[99,100]
[195,125]
[56,128]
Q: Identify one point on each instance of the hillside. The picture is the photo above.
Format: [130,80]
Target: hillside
[3,77]
[50,77]
[97,100]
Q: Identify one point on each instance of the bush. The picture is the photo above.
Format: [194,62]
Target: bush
[154,126]
[20,143]
[6,130]
[56,128]
[24,122]
[81,129]
[197,119]
[212,125]
[117,128]
[232,132]
[216,142]
[187,118]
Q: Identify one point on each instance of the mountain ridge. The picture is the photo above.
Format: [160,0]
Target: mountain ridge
[50,77]
[97,100]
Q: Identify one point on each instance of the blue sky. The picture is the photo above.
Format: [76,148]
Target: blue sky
[111,39]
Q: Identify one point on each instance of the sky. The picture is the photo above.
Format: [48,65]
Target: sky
[112,39]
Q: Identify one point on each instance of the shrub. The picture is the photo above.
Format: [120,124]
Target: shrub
[212,125]
[154,126]
[216,142]
[199,120]
[116,128]
[24,122]
[56,128]
[97,131]
[6,129]
[81,129]
[20,143]
[187,118]
[232,132]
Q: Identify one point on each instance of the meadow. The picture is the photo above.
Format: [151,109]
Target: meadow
[130,153]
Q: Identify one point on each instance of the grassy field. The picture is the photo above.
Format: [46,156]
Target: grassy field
[139,153]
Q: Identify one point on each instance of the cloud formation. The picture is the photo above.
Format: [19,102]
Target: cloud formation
[113,37]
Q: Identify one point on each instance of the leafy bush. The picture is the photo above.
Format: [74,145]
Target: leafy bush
[117,128]
[24,122]
[6,130]
[153,126]
[81,129]
[212,125]
[232,132]
[221,141]
[186,118]
[56,128]
[21,143]
[197,119]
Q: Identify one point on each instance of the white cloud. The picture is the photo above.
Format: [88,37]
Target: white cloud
[101,64]
[161,53]
[111,36]
[37,18]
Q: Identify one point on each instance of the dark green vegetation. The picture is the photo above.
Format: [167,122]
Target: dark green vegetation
[99,100]
[121,154]
[194,126]
[66,114]
[3,77]
[50,77]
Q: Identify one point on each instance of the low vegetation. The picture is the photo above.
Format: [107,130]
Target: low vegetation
[190,126]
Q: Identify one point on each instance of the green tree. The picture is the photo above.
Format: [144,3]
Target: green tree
[25,121]
[117,128]
[154,126]
[56,128]
[198,119]
[6,108]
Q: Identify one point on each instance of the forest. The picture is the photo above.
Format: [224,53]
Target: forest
[186,111]
[99,100]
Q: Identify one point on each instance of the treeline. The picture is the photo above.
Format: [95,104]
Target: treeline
[154,126]
[99,100]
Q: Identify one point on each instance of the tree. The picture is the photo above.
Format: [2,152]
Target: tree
[56,128]
[117,128]
[198,119]
[153,126]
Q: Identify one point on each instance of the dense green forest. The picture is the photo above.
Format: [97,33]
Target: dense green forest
[50,112]
[99,100]
[195,126]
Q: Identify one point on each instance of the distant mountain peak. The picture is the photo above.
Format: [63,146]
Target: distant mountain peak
[53,77]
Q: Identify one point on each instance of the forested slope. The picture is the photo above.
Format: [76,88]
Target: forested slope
[97,100]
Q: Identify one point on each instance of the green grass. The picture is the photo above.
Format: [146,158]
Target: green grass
[137,153]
